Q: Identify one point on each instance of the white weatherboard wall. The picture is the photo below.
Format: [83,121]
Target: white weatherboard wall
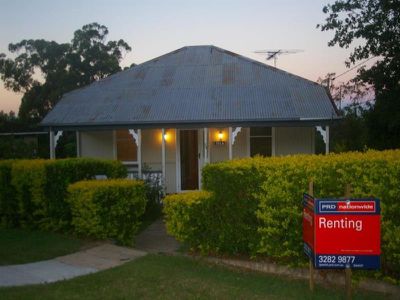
[239,148]
[97,144]
[218,152]
[151,154]
[288,140]
[151,148]
[170,161]
[221,152]
[294,140]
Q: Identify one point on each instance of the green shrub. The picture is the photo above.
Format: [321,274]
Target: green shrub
[283,180]
[107,208]
[8,204]
[41,187]
[187,217]
[63,172]
[257,202]
[154,194]
[28,179]
[234,186]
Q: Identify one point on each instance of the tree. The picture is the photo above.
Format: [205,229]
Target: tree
[350,134]
[10,123]
[59,67]
[375,26]
[383,120]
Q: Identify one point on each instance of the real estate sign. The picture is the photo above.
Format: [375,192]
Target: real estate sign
[340,233]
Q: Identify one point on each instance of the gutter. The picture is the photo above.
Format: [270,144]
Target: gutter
[296,122]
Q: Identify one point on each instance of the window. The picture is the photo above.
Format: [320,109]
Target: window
[261,141]
[126,146]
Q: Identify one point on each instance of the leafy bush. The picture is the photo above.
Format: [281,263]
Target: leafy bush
[234,207]
[41,187]
[187,217]
[107,208]
[155,191]
[285,179]
[8,205]
[28,178]
[63,172]
[257,202]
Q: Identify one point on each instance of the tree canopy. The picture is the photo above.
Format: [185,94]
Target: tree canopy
[45,70]
[372,28]
[375,26]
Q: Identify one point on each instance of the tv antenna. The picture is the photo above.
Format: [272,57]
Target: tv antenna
[273,54]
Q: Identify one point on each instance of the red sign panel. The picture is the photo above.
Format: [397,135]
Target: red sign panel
[339,233]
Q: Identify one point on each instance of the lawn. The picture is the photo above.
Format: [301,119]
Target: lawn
[175,277]
[18,246]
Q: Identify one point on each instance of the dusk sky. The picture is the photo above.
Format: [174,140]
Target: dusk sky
[153,28]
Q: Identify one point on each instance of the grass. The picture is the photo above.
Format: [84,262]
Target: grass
[176,277]
[18,246]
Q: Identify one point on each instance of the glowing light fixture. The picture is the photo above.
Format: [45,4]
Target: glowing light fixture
[220,138]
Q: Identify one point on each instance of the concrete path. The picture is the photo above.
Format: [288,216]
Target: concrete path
[65,267]
[155,239]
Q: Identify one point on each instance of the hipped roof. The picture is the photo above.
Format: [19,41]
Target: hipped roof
[195,86]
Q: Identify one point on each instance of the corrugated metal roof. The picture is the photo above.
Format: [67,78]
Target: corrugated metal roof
[193,85]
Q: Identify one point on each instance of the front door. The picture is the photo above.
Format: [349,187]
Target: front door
[189,159]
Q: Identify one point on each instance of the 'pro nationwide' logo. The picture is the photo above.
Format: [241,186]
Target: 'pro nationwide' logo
[347,207]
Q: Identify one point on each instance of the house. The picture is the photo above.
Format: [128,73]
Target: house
[193,106]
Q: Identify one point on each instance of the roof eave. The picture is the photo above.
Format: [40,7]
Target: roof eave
[300,122]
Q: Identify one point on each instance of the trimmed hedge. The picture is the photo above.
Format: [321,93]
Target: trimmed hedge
[187,218]
[257,202]
[40,188]
[107,208]
[28,178]
[8,205]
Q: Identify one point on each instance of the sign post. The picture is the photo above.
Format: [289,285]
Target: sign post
[342,233]
[347,194]
[311,193]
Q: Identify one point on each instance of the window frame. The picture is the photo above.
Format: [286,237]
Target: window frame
[273,135]
[116,139]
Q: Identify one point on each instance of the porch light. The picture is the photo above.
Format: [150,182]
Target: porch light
[220,138]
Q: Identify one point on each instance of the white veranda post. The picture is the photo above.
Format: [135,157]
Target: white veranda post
[137,137]
[53,142]
[78,144]
[327,140]
[52,145]
[206,157]
[230,142]
[163,156]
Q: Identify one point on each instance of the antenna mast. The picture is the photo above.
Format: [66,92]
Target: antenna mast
[273,54]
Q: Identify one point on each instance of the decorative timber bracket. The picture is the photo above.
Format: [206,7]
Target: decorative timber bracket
[57,137]
[235,133]
[135,135]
